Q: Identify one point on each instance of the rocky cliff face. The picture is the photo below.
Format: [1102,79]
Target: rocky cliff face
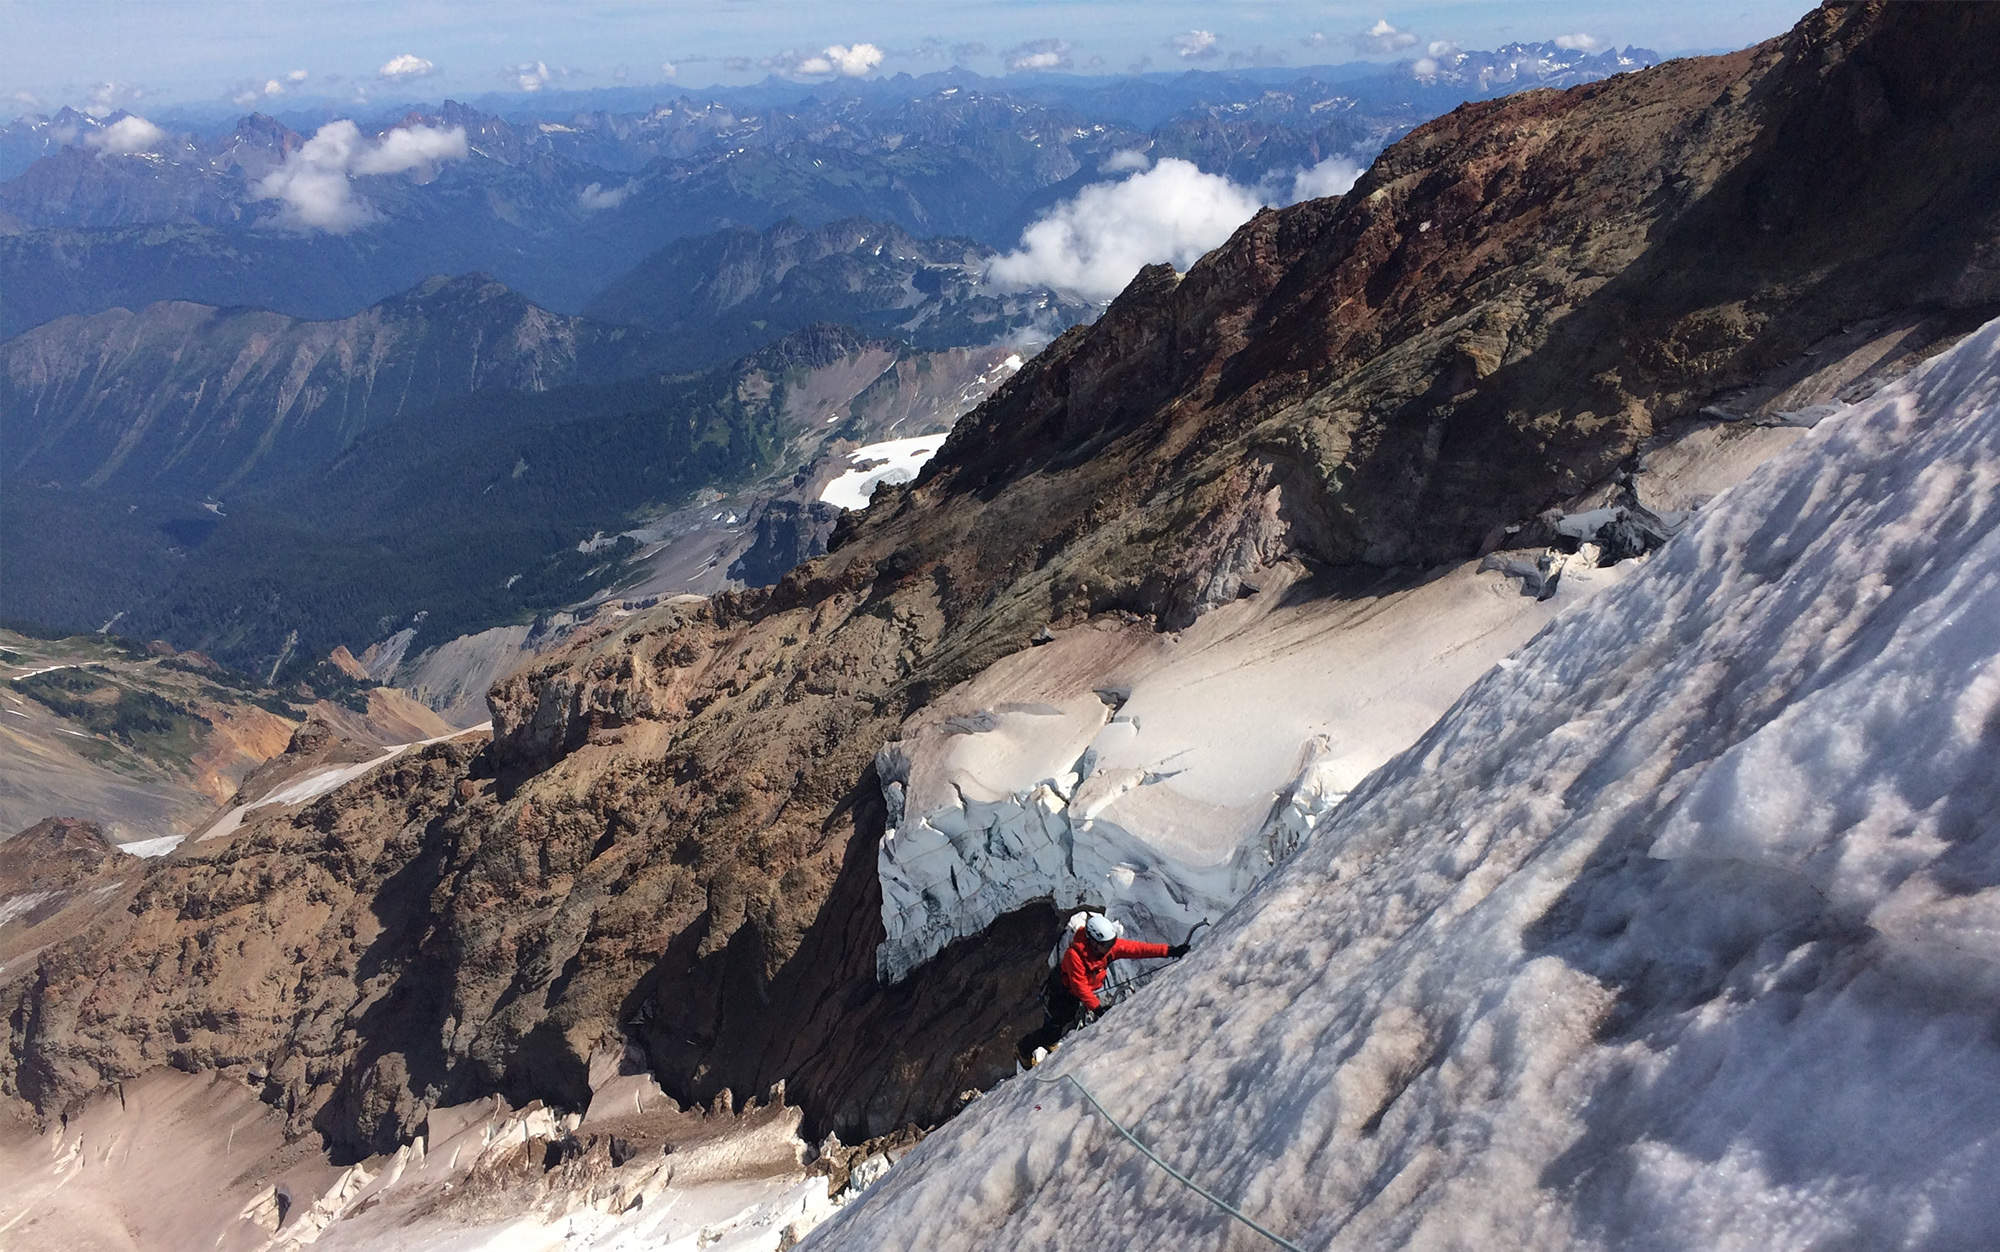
[671,838]
[194,398]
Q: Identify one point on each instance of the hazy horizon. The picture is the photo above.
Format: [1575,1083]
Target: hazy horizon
[112,54]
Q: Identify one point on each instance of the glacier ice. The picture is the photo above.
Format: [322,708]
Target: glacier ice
[1678,932]
[891,461]
[1160,777]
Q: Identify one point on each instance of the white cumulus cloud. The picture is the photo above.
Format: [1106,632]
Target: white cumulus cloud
[1039,54]
[297,76]
[856,61]
[850,62]
[1095,243]
[107,98]
[406,66]
[1382,37]
[254,92]
[669,69]
[530,76]
[1331,177]
[1579,42]
[597,196]
[127,135]
[313,184]
[410,148]
[1428,66]
[1196,45]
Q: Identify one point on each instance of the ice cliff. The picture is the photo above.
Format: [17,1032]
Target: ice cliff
[1679,931]
[1160,777]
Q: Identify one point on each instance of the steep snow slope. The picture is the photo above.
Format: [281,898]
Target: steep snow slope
[1677,933]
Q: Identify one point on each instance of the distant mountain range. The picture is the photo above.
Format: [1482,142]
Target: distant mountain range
[196,400]
[721,295]
[245,414]
[558,204]
[600,117]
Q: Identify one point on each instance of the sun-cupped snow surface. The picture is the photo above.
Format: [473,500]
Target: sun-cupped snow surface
[892,461]
[1159,777]
[1680,933]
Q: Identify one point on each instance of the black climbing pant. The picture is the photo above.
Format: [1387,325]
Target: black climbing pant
[1061,1013]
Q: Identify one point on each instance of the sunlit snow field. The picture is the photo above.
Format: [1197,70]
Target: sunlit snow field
[900,459]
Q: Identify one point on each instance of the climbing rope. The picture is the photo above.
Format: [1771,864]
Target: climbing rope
[1177,1176]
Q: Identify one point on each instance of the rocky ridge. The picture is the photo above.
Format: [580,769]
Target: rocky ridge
[670,840]
[188,397]
[720,295]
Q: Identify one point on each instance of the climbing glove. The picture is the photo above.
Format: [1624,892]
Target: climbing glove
[1177,951]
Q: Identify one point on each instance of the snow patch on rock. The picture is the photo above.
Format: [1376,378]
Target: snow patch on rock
[891,461]
[23,903]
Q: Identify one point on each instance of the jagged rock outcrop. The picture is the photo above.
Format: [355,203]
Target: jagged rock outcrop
[51,858]
[788,533]
[672,836]
[294,940]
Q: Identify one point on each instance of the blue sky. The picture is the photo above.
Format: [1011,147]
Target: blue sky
[160,52]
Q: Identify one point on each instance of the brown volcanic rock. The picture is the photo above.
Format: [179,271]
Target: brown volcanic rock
[673,835]
[55,854]
[1509,301]
[296,944]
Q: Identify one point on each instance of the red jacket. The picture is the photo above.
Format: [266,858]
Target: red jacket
[1082,972]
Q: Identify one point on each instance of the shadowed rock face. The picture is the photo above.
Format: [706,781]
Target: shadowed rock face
[671,838]
[788,533]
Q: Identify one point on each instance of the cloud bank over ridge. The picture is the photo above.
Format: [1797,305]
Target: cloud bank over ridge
[313,184]
[1093,244]
[127,135]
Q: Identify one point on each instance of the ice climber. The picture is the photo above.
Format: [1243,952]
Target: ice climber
[1069,998]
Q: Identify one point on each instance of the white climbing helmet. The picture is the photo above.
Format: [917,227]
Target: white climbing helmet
[1100,928]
